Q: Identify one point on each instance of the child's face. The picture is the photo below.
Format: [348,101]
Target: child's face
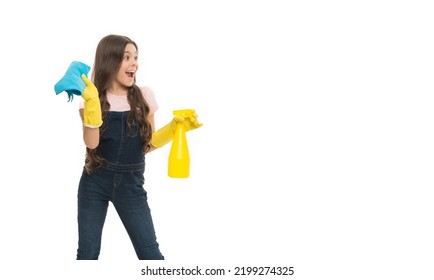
[127,72]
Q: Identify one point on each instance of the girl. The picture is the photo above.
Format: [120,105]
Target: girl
[118,130]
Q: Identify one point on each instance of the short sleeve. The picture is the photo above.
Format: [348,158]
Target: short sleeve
[149,96]
[81,104]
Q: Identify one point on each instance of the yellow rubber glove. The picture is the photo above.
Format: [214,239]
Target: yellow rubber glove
[165,134]
[92,105]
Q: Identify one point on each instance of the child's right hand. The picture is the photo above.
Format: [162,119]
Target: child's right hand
[92,105]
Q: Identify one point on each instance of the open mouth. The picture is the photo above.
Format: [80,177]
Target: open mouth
[130,74]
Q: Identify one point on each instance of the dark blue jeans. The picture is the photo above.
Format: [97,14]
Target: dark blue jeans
[124,188]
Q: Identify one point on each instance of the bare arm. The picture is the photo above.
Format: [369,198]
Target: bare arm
[90,135]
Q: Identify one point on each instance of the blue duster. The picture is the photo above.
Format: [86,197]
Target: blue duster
[72,82]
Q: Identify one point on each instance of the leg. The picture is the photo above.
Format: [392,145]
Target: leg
[132,206]
[92,211]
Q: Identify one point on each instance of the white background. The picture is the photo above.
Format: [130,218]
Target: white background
[316,150]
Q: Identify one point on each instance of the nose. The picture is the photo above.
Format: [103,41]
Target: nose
[135,64]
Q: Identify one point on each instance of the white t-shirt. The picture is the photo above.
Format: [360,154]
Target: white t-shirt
[120,103]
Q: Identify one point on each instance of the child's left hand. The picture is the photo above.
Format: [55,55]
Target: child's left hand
[189,120]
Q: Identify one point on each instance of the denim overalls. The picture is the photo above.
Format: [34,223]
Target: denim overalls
[120,181]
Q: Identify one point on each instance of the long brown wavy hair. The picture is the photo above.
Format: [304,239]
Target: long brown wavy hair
[108,60]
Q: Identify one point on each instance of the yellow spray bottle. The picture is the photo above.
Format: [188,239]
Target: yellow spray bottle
[179,157]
